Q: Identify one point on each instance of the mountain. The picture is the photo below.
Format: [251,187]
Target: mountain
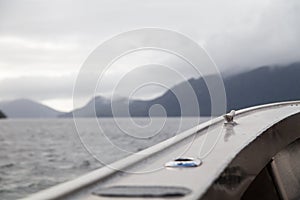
[262,85]
[172,105]
[89,108]
[99,106]
[2,115]
[23,108]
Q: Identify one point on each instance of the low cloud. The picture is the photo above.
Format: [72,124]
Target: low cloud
[44,44]
[37,88]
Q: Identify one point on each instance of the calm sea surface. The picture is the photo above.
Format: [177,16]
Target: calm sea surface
[37,154]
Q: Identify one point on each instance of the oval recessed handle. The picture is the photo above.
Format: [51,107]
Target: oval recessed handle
[184,162]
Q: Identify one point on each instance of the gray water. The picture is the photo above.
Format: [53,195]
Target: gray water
[37,154]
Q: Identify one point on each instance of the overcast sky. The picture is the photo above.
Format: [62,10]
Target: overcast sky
[43,44]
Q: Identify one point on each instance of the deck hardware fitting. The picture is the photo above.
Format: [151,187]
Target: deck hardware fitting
[184,162]
[229,117]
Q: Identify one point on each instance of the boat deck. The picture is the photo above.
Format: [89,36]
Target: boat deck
[232,155]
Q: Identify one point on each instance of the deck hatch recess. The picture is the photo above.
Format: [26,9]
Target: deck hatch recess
[143,191]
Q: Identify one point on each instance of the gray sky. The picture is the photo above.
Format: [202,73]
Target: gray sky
[44,43]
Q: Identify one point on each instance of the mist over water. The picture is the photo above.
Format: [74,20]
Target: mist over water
[37,154]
